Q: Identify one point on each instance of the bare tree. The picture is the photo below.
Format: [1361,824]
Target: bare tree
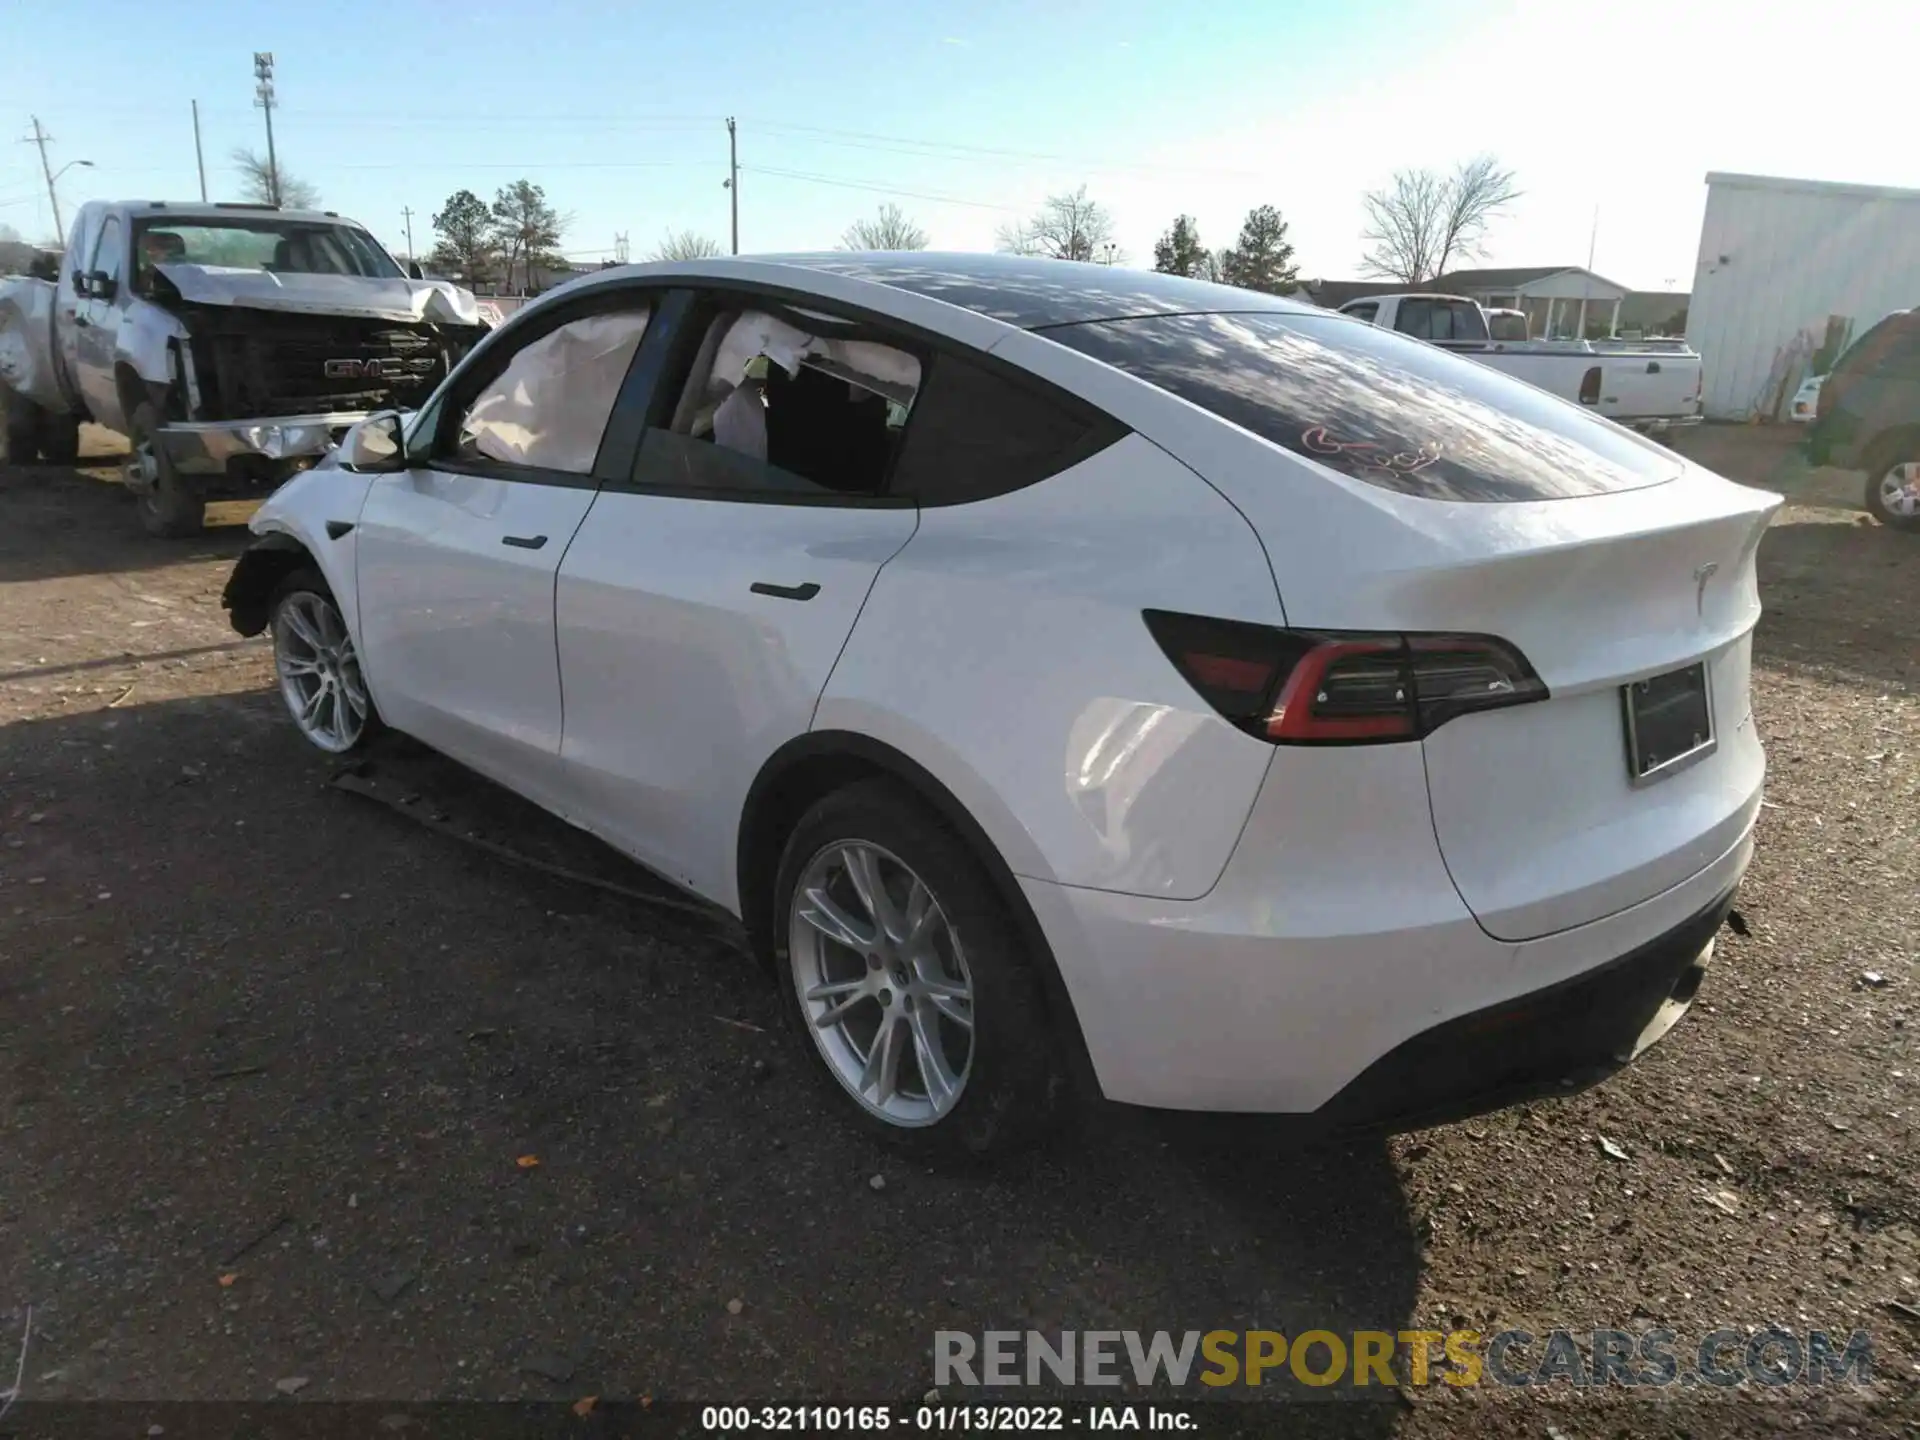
[888,230]
[262,186]
[1068,227]
[1424,222]
[684,245]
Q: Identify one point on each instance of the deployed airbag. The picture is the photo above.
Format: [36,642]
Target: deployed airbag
[549,407]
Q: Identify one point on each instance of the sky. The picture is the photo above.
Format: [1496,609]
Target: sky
[967,115]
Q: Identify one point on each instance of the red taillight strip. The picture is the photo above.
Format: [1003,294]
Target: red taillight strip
[1293,717]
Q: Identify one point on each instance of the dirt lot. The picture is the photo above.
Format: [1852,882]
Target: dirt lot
[270,1056]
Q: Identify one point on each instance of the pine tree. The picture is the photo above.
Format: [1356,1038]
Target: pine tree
[1179,251]
[1263,260]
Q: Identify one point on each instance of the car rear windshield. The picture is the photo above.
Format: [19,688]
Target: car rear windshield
[1377,406]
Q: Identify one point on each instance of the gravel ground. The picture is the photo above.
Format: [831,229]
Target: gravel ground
[291,1087]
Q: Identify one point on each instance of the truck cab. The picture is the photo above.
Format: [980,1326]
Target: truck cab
[1651,386]
[233,344]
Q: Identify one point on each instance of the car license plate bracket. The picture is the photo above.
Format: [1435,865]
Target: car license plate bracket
[1669,723]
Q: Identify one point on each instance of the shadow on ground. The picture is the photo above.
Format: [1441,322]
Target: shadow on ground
[57,522]
[1839,602]
[454,1129]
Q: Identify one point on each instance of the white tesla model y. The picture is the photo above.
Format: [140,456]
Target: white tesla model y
[1069,674]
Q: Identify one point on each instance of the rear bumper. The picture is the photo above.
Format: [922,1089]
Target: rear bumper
[1342,979]
[210,447]
[1548,1042]
[1659,424]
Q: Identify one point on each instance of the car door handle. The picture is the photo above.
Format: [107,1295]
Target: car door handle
[524,542]
[786,592]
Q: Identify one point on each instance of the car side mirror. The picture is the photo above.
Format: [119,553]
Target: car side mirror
[415,270]
[375,445]
[102,286]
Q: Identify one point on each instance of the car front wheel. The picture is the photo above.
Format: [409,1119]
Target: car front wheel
[910,981]
[318,668]
[1894,495]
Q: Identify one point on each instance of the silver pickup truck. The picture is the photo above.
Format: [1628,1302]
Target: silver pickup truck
[231,344]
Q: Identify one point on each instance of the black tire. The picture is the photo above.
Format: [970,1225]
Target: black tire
[60,439]
[21,421]
[309,583]
[1016,1087]
[1876,501]
[170,507]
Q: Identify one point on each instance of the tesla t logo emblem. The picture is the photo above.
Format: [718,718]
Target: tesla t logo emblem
[1701,575]
[352,369]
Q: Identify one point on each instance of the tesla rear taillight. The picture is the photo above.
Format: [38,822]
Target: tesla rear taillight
[1300,687]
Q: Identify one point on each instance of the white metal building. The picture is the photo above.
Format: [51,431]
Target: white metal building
[1780,260]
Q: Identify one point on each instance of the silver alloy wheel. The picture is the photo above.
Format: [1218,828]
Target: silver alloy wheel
[883,982]
[1900,490]
[319,671]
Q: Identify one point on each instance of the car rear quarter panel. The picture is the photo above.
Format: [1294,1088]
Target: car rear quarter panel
[1004,649]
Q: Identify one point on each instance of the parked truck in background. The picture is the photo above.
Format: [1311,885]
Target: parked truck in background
[1651,385]
[231,344]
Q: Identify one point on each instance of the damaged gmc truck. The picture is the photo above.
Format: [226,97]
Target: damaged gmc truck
[231,344]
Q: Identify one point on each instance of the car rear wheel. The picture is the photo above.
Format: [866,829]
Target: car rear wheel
[318,668]
[169,507]
[910,981]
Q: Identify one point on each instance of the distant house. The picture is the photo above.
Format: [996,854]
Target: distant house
[1562,302]
[1332,294]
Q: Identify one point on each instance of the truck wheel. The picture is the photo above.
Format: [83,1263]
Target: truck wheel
[60,439]
[19,428]
[168,506]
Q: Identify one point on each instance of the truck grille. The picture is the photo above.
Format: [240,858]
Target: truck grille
[263,365]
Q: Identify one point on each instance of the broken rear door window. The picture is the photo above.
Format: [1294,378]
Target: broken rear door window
[778,405]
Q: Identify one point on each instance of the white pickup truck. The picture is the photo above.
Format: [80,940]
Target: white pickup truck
[1650,385]
[231,344]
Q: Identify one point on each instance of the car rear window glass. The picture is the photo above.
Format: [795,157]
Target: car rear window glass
[1377,406]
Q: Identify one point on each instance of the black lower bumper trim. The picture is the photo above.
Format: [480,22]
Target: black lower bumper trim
[1548,1042]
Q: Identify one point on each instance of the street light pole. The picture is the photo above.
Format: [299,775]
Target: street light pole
[41,138]
[733,180]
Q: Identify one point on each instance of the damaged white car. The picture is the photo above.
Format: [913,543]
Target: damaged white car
[231,344]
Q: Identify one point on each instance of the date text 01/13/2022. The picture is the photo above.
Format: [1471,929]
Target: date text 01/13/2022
[944,1418]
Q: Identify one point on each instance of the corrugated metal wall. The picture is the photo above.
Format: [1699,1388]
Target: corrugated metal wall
[1777,258]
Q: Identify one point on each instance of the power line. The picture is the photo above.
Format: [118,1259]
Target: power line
[880,189]
[953,150]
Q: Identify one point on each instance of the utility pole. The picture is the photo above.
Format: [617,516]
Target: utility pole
[407,211]
[733,180]
[40,138]
[198,158]
[263,98]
